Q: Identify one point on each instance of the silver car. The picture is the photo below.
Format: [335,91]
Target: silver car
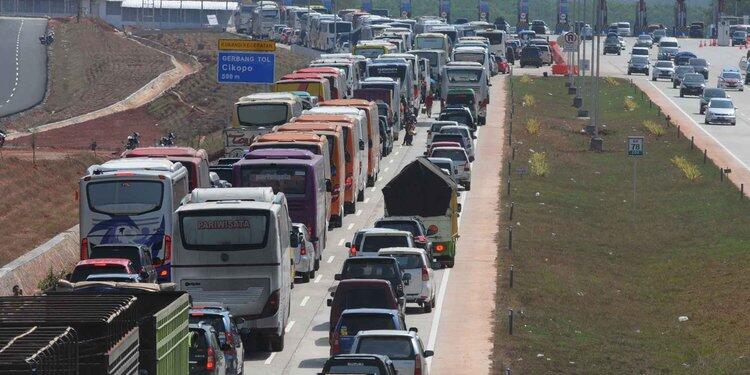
[460,158]
[662,69]
[721,110]
[306,258]
[404,348]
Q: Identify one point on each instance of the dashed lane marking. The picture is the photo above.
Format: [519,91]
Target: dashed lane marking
[359,212]
[318,278]
[270,358]
[341,242]
[289,326]
[330,259]
[18,53]
[366,200]
[351,225]
[304,301]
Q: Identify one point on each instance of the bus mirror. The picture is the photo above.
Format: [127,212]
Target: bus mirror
[329,302]
[329,187]
[361,145]
[458,209]
[337,277]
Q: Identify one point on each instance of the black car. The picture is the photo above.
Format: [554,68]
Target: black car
[679,73]
[692,84]
[206,355]
[371,364]
[139,256]
[374,267]
[696,31]
[531,56]
[411,224]
[612,44]
[226,332]
[459,114]
[539,27]
[700,66]
[739,37]
[683,58]
[708,94]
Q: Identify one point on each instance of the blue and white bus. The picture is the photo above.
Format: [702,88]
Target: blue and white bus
[131,201]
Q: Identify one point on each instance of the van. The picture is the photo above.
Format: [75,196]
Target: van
[131,201]
[354,157]
[196,161]
[256,114]
[319,87]
[373,143]
[335,135]
[299,174]
[623,28]
[238,252]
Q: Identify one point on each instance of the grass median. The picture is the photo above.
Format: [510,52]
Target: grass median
[604,278]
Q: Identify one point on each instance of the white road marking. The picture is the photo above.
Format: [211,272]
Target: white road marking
[396,153]
[359,212]
[317,278]
[366,200]
[386,169]
[304,301]
[270,358]
[330,259]
[351,225]
[379,179]
[341,243]
[390,161]
[289,326]
[373,189]
[18,53]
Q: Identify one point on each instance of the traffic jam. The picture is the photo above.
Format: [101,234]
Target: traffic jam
[189,265]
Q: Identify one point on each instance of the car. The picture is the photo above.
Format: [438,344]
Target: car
[436,125]
[361,293]
[644,40]
[546,54]
[306,257]
[640,51]
[539,27]
[720,110]
[662,69]
[205,355]
[375,267]
[612,44]
[466,143]
[227,333]
[352,321]
[460,158]
[405,349]
[447,166]
[434,145]
[359,364]
[679,73]
[503,66]
[700,66]
[88,267]
[623,43]
[460,114]
[531,55]
[370,240]
[658,34]
[411,224]
[464,131]
[139,255]
[639,64]
[683,58]
[730,79]
[739,37]
[708,94]
[587,33]
[692,84]
[416,262]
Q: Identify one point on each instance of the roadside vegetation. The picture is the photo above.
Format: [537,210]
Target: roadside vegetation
[605,281]
[90,67]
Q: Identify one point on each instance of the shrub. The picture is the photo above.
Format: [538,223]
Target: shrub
[526,79]
[50,279]
[538,163]
[532,126]
[630,104]
[528,100]
[654,128]
[688,169]
[611,81]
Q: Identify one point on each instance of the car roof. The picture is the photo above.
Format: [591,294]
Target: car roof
[357,283]
[437,159]
[370,311]
[385,231]
[386,332]
[401,250]
[721,99]
[113,261]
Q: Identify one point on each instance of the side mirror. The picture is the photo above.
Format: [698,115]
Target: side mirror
[332,294]
[361,145]
[337,277]
[413,329]
[471,158]
[425,153]
[329,302]
[428,353]
[459,208]
[329,186]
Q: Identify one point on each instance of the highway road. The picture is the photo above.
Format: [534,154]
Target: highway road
[23,64]
[306,344]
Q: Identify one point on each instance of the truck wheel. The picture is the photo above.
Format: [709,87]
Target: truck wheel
[276,343]
[370,181]
[467,186]
[317,264]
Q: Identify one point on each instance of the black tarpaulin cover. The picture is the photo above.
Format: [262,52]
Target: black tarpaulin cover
[421,189]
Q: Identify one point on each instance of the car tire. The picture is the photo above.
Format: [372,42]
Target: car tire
[707,122]
[276,343]
[674,85]
[370,182]
[427,306]
[433,303]
[316,266]
[449,263]
[734,123]
[467,186]
[311,274]
[350,208]
[702,111]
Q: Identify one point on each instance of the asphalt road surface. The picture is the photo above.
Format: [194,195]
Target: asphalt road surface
[23,64]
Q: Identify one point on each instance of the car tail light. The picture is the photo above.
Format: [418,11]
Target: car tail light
[353,251]
[417,364]
[84,248]
[303,249]
[425,274]
[440,248]
[210,359]
[272,305]
[433,229]
[230,338]
[349,181]
[164,273]
[421,239]
[167,247]
[335,344]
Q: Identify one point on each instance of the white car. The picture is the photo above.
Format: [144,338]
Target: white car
[662,69]
[306,258]
[460,158]
[466,132]
[447,166]
[414,261]
[404,348]
[370,240]
[721,110]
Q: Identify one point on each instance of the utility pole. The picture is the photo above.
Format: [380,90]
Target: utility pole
[596,142]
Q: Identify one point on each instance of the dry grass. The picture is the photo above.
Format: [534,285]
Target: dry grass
[612,81]
[538,164]
[37,202]
[629,104]
[526,79]
[528,101]
[654,128]
[91,67]
[532,126]
[689,170]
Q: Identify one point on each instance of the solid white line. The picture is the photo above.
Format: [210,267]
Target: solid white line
[351,225]
[341,243]
[330,259]
[304,301]
[699,126]
[289,326]
[359,212]
[317,278]
[270,358]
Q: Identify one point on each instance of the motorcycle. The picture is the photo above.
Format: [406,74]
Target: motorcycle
[167,140]
[133,141]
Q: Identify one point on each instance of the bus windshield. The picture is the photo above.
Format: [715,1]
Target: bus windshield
[224,230]
[471,57]
[262,114]
[430,42]
[287,179]
[369,52]
[464,76]
[432,56]
[129,197]
[495,38]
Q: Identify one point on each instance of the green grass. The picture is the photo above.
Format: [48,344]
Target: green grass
[601,279]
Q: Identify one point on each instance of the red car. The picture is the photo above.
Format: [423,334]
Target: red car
[502,65]
[441,144]
[116,268]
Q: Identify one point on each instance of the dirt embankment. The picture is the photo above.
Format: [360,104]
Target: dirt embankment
[90,67]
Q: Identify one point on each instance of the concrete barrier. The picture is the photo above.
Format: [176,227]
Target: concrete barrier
[60,253]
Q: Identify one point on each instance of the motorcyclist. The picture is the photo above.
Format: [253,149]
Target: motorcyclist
[2,137]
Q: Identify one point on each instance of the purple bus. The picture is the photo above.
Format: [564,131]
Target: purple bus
[300,175]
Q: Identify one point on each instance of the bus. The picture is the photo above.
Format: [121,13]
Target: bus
[497,40]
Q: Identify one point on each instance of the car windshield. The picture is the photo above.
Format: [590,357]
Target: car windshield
[464,75]
[394,347]
[215,320]
[721,104]
[405,225]
[130,253]
[408,261]
[731,75]
[290,180]
[644,38]
[454,154]
[351,324]
[127,197]
[639,59]
[375,243]
[81,273]
[693,78]
[430,42]
[262,114]
[664,64]
[682,70]
[373,268]
[714,93]
[365,298]
[698,62]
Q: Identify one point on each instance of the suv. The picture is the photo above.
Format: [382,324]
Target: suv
[352,321]
[373,239]
[447,166]
[708,94]
[692,84]
[139,256]
[640,51]
[378,268]
[458,138]
[612,44]
[700,66]
[662,69]
[226,332]
[721,110]
[363,293]
[679,73]
[411,224]
[638,64]
[683,58]
[531,56]
[730,79]
[354,364]
[205,354]
[421,287]
[539,27]
[739,37]
[465,132]
[644,40]
[405,349]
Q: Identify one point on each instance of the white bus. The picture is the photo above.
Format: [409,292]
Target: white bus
[131,201]
[235,247]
